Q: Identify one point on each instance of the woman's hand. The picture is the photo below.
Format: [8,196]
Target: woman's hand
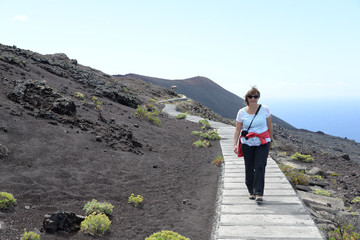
[236,150]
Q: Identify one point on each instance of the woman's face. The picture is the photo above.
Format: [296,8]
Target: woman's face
[253,98]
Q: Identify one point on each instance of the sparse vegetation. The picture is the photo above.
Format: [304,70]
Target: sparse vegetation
[166,235]
[98,207]
[149,114]
[137,201]
[344,229]
[322,193]
[181,116]
[204,124]
[302,157]
[7,200]
[79,95]
[196,133]
[356,200]
[317,177]
[295,176]
[96,224]
[211,135]
[97,102]
[200,143]
[218,161]
[30,236]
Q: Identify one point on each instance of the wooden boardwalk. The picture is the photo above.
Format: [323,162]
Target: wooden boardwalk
[281,215]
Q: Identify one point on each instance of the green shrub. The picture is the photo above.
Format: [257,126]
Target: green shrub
[6,200]
[200,143]
[322,193]
[98,207]
[180,116]
[98,103]
[137,201]
[286,168]
[296,177]
[356,200]
[96,224]
[166,235]
[196,133]
[148,114]
[30,236]
[204,124]
[318,177]
[79,95]
[218,161]
[301,157]
[211,135]
[345,232]
[151,118]
[141,111]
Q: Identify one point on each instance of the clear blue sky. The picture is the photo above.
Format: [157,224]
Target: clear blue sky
[289,49]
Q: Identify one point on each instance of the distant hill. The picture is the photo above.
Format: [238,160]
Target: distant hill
[208,93]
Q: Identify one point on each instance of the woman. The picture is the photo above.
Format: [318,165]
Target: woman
[255,144]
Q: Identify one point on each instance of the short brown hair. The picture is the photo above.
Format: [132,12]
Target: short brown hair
[252,91]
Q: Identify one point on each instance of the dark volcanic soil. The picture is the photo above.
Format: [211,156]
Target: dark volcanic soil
[57,158]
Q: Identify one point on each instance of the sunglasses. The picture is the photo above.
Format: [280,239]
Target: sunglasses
[251,96]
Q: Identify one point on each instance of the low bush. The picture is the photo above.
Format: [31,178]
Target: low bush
[96,224]
[204,124]
[166,235]
[218,161]
[200,143]
[344,232]
[30,236]
[295,176]
[149,114]
[211,135]
[181,116]
[356,200]
[196,133]
[7,200]
[98,207]
[301,157]
[317,177]
[137,201]
[79,95]
[322,193]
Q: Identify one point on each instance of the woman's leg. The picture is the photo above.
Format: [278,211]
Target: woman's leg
[248,153]
[260,159]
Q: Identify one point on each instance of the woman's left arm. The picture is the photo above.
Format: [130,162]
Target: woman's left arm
[270,129]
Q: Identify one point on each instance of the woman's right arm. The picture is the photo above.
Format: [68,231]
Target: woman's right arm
[238,128]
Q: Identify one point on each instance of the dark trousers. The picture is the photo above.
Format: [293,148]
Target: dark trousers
[255,162]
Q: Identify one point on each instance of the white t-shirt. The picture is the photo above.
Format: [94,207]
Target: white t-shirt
[259,124]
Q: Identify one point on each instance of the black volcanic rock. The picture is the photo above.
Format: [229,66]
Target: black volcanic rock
[37,95]
[62,221]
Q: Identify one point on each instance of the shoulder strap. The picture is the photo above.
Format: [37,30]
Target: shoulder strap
[254,117]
